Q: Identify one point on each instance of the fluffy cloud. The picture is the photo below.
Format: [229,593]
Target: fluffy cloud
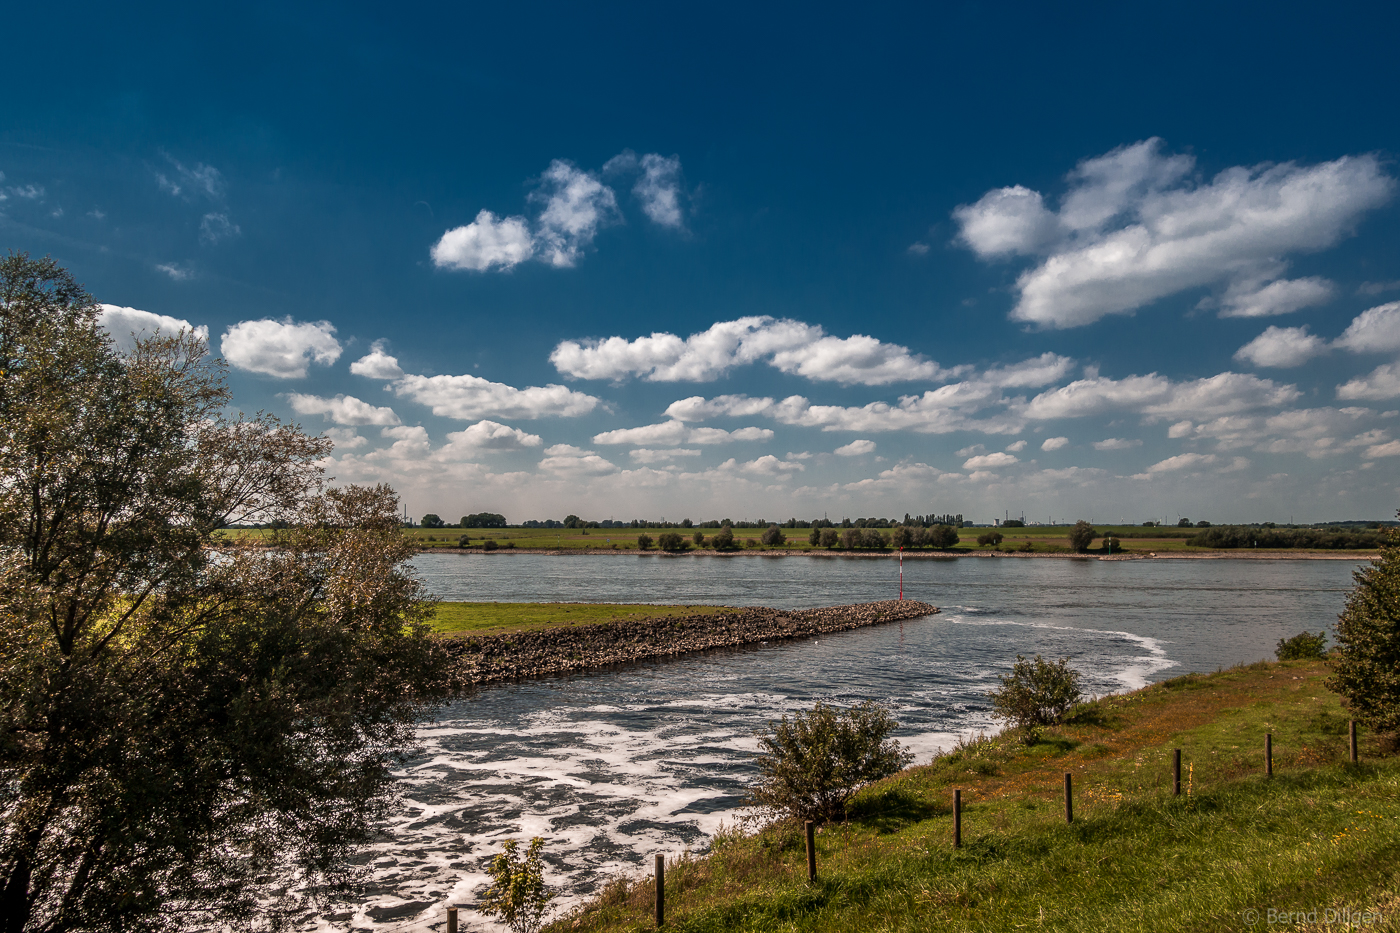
[345,438]
[1134,228]
[648,455]
[1391,449]
[1282,346]
[569,460]
[986,461]
[674,433]
[410,443]
[1248,298]
[470,397]
[280,348]
[484,244]
[1383,382]
[659,187]
[1181,462]
[1054,443]
[485,436]
[787,345]
[769,465]
[128,325]
[575,203]
[343,409]
[1157,396]
[1375,330]
[1116,443]
[1017,447]
[698,408]
[377,364]
[855,449]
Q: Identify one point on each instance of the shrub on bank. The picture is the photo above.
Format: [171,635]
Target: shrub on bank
[1036,693]
[1305,646]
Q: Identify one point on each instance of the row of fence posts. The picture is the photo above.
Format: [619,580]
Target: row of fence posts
[810,826]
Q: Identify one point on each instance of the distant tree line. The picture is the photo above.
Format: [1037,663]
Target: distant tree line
[1237,536]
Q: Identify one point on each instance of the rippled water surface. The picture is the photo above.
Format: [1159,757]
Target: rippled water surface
[614,766]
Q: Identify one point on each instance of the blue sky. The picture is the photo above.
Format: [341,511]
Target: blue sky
[1117,263]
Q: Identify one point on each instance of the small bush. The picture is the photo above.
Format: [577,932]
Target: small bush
[1305,646]
[463,541]
[992,538]
[724,538]
[518,894]
[773,536]
[672,542]
[1082,535]
[1036,693]
[699,539]
[644,542]
[813,763]
[489,545]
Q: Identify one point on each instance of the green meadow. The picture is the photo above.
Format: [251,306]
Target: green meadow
[1321,834]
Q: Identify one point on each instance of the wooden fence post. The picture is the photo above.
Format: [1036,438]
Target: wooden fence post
[1176,773]
[1268,754]
[452,920]
[1069,799]
[660,890]
[1354,757]
[811,852]
[957,819]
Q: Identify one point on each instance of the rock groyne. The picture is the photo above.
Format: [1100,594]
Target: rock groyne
[483,659]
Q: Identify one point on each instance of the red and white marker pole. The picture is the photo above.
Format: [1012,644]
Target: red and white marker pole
[901,573]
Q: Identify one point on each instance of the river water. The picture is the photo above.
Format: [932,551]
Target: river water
[614,766]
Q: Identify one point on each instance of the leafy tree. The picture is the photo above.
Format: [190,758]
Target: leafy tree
[518,894]
[1183,523]
[1202,524]
[644,542]
[1305,646]
[1013,523]
[432,521]
[815,538]
[774,537]
[573,521]
[852,538]
[483,520]
[463,541]
[673,542]
[1036,693]
[1082,535]
[943,536]
[992,538]
[1366,661]
[190,726]
[699,539]
[812,764]
[724,538]
[829,538]
[901,537]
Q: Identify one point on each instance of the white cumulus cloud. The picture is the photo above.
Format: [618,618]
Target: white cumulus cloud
[576,204]
[485,436]
[377,364]
[1247,298]
[986,461]
[675,433]
[1157,396]
[788,345]
[342,409]
[280,348]
[769,465]
[650,455]
[1135,227]
[1375,330]
[659,189]
[1054,443]
[1181,462]
[126,326]
[855,449]
[1117,443]
[568,460]
[1381,383]
[1282,347]
[484,244]
[469,397]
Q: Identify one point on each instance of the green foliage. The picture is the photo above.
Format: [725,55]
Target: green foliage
[724,538]
[464,541]
[483,520]
[815,538]
[773,536]
[671,541]
[1036,693]
[829,538]
[186,721]
[1305,646]
[432,521]
[518,894]
[814,762]
[1183,523]
[699,539]
[1237,536]
[942,536]
[644,542]
[1366,662]
[1013,523]
[992,538]
[489,545]
[1082,535]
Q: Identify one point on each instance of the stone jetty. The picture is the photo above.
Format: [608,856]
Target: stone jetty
[483,659]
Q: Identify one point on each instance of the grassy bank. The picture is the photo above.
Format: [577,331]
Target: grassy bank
[500,618]
[1321,834]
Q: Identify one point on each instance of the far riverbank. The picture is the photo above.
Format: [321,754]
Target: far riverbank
[1241,554]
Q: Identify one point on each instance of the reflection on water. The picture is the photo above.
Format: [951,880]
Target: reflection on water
[612,767]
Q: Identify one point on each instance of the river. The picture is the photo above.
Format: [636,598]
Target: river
[614,766]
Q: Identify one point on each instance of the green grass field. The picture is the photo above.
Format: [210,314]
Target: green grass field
[1035,539]
[1321,834]
[498,618]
